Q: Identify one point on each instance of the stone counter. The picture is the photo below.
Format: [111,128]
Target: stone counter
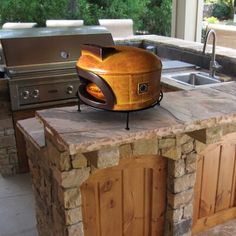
[185,45]
[166,47]
[183,50]
[180,112]
[67,147]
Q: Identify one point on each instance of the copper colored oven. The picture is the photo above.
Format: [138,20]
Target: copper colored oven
[119,78]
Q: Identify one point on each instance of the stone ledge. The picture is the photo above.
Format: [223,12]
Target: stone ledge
[175,116]
[72,178]
[34,130]
[176,43]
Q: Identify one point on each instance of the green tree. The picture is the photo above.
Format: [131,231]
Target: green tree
[223,9]
[157,18]
[112,9]
[18,10]
[150,15]
[231,6]
[32,10]
[41,10]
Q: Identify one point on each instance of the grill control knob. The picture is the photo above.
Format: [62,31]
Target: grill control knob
[70,89]
[25,94]
[35,93]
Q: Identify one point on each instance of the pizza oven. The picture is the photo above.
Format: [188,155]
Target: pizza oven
[119,78]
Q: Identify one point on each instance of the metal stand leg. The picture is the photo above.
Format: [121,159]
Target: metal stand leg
[160,98]
[127,121]
[79,110]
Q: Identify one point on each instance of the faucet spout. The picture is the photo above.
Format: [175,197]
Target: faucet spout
[214,65]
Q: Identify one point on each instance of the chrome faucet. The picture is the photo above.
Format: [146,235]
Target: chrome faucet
[214,65]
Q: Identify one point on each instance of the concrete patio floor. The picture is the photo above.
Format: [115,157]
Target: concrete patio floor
[17,214]
[227,229]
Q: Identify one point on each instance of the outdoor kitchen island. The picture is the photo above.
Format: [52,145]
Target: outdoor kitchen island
[172,173]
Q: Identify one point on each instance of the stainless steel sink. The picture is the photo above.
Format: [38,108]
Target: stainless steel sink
[194,79]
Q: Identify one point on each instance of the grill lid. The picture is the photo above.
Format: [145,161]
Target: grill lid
[40,48]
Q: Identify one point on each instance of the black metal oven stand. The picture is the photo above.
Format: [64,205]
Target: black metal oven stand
[79,109]
[127,112]
[127,120]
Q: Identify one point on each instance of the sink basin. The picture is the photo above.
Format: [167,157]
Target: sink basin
[194,79]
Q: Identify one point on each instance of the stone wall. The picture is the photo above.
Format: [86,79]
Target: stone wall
[8,153]
[57,177]
[181,180]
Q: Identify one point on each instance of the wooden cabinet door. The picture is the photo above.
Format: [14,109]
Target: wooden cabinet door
[127,200]
[214,200]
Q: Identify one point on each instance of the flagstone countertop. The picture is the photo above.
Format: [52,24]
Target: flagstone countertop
[92,129]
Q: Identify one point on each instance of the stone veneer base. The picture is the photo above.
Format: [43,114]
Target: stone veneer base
[66,147]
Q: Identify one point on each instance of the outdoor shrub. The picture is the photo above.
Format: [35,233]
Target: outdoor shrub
[210,1]
[157,18]
[153,16]
[211,20]
[221,11]
[112,9]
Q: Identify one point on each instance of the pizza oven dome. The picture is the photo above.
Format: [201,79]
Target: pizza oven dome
[119,78]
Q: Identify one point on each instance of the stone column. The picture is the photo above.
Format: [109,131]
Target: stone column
[181,154]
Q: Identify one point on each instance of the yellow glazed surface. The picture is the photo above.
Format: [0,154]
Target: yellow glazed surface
[125,70]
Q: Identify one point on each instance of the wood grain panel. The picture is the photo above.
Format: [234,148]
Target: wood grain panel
[134,206]
[90,208]
[158,200]
[127,200]
[233,195]
[148,183]
[225,178]
[198,188]
[215,188]
[209,182]
[110,203]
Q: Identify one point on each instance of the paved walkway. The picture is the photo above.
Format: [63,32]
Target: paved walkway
[17,215]
[227,229]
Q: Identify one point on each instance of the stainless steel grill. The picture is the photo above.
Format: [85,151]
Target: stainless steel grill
[40,63]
